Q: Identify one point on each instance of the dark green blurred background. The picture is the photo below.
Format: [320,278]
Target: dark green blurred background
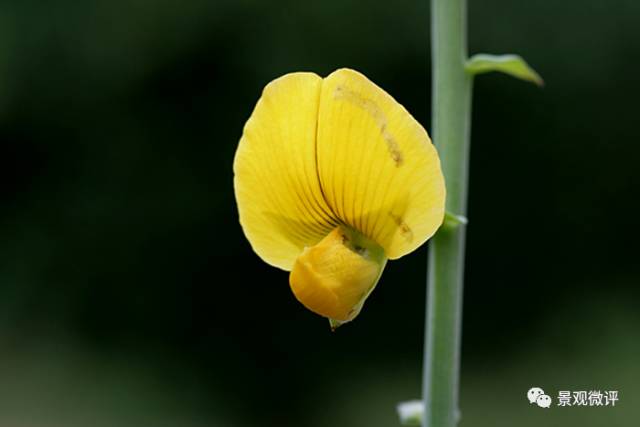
[130,297]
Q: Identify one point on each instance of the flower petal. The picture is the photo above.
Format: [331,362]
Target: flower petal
[334,277]
[280,202]
[378,169]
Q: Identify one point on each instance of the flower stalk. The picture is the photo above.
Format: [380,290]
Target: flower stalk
[451,125]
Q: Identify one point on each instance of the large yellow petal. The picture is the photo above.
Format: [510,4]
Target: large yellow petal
[378,169]
[280,202]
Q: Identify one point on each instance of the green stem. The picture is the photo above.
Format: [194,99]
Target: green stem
[451,127]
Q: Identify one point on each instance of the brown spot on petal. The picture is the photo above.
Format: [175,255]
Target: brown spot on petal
[394,150]
[405,230]
[378,116]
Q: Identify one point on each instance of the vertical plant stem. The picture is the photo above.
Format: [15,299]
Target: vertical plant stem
[451,128]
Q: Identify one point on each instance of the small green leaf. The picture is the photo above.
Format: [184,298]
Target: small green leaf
[453,221]
[411,412]
[513,65]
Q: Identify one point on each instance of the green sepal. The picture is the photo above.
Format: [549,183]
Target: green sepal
[513,65]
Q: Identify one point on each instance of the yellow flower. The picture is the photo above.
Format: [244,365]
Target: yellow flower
[332,178]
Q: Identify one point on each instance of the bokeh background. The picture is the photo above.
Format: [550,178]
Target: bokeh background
[130,297]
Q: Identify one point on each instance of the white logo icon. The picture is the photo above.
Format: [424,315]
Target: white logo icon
[543,401]
[533,394]
[536,395]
